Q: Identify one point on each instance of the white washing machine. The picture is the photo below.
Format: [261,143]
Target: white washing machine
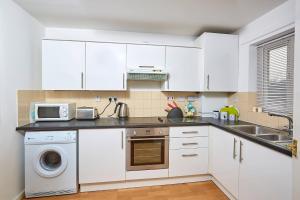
[50,163]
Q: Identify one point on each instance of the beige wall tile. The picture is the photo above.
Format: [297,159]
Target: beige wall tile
[140,103]
[24,99]
[245,102]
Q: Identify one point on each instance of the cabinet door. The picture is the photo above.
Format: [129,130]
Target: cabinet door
[105,66]
[145,56]
[183,66]
[224,164]
[101,155]
[185,162]
[63,65]
[264,173]
[220,54]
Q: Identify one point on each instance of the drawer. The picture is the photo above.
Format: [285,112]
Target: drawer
[188,143]
[186,162]
[189,131]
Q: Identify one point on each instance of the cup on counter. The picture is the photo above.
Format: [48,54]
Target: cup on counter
[224,115]
[216,114]
[232,117]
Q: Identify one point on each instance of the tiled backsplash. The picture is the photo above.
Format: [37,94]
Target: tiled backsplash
[245,101]
[25,97]
[140,103]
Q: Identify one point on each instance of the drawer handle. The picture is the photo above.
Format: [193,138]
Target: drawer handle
[189,155]
[191,143]
[190,132]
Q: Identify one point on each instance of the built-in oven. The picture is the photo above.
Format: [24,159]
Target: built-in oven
[147,148]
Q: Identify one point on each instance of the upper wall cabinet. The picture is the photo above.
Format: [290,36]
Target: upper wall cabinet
[184,68]
[145,56]
[63,65]
[220,60]
[105,66]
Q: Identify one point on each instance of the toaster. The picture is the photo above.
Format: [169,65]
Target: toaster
[86,113]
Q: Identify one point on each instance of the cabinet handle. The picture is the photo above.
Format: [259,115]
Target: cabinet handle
[191,143]
[190,132]
[123,80]
[234,147]
[146,66]
[207,85]
[122,140]
[81,80]
[241,156]
[189,155]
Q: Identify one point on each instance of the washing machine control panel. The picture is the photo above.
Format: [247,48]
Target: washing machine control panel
[47,137]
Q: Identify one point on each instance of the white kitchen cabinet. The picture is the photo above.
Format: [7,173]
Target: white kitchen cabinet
[188,151]
[188,143]
[220,61]
[145,56]
[63,65]
[185,162]
[224,162]
[184,68]
[248,170]
[101,155]
[264,173]
[189,131]
[105,66]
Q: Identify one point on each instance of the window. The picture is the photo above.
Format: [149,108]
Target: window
[275,75]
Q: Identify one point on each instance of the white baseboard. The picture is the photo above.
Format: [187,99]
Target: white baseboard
[142,183]
[220,186]
[20,196]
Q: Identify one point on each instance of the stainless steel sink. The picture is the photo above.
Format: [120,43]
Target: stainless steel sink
[255,130]
[275,138]
[269,134]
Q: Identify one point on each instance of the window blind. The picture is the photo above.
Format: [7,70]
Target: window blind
[275,75]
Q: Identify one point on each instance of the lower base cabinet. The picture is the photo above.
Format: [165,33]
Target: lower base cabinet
[101,155]
[188,153]
[248,170]
[224,161]
[185,162]
[264,173]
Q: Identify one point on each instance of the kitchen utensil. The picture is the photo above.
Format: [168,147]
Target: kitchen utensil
[171,106]
[175,113]
[175,104]
[122,110]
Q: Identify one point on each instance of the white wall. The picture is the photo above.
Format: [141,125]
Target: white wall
[276,21]
[296,166]
[118,37]
[20,68]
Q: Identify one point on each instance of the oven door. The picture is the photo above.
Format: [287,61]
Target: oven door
[147,153]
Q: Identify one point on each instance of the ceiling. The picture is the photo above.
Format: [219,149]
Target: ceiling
[182,17]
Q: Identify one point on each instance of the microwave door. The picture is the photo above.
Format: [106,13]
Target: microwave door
[48,112]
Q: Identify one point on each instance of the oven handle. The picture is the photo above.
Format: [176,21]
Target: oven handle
[139,139]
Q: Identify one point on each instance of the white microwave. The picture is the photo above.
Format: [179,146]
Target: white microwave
[54,111]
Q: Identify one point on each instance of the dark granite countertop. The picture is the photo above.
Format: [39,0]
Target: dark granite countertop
[139,122]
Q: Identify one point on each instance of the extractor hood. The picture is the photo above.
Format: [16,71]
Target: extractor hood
[147,73]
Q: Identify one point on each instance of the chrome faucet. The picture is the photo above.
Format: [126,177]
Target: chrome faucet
[290,128]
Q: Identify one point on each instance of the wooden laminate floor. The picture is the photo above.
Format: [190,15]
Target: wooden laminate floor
[189,191]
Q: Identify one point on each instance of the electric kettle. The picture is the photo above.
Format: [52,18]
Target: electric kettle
[122,110]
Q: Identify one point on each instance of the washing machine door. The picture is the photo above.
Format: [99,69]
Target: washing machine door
[50,161]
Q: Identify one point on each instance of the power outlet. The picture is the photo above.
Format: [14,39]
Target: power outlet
[170,98]
[98,98]
[113,99]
